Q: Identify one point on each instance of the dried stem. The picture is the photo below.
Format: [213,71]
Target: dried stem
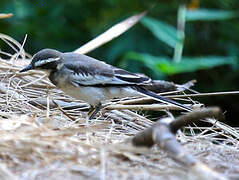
[162,133]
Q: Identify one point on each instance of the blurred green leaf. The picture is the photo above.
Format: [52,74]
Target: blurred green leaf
[161,30]
[187,64]
[209,15]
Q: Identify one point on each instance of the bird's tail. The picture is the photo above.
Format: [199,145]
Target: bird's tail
[161,98]
[159,86]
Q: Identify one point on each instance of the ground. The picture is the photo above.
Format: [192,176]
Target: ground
[39,140]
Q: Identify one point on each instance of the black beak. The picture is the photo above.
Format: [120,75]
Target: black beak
[27,68]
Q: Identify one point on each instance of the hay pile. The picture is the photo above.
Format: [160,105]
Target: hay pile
[40,140]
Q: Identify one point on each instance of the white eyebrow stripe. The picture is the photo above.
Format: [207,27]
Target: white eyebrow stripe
[45,61]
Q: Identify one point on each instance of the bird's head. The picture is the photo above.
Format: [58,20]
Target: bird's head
[46,60]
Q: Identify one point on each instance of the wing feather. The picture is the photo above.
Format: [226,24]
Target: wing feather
[131,77]
[89,71]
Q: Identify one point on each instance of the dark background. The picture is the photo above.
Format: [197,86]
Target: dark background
[66,25]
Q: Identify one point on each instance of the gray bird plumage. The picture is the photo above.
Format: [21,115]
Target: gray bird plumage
[91,80]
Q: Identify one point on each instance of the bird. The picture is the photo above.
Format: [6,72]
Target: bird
[91,80]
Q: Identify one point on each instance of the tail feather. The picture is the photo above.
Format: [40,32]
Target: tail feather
[161,98]
[159,86]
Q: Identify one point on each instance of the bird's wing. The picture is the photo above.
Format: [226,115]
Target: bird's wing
[131,77]
[89,71]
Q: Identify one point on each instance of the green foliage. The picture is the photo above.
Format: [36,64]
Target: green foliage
[187,64]
[161,30]
[175,39]
[209,15]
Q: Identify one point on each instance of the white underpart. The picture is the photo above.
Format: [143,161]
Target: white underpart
[95,95]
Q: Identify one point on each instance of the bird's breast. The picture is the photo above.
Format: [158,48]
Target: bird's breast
[91,94]
[95,95]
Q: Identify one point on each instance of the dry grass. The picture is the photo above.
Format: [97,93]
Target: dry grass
[38,141]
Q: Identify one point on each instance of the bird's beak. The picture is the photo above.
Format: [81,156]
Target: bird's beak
[27,68]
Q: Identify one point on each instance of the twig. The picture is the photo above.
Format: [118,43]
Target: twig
[73,119]
[35,81]
[146,107]
[225,128]
[162,133]
[7,38]
[2,16]
[21,51]
[205,94]
[194,117]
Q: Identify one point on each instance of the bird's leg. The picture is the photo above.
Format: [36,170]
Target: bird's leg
[91,114]
[94,110]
